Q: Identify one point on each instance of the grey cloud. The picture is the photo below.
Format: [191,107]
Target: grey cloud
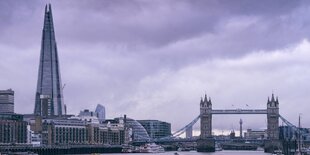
[111,52]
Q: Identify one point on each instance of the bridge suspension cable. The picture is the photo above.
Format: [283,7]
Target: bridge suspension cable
[296,129]
[182,130]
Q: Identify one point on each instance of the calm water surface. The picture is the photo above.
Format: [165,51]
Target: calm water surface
[199,153]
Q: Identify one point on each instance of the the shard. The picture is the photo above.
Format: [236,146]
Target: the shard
[49,95]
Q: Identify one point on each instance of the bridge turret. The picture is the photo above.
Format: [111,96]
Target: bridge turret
[273,103]
[209,102]
[273,118]
[205,103]
[205,117]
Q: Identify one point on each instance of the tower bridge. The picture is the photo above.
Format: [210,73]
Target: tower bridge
[206,142]
[272,112]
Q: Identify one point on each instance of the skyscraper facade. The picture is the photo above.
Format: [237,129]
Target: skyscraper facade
[100,112]
[7,101]
[49,96]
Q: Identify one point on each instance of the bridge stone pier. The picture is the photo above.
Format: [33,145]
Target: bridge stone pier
[206,142]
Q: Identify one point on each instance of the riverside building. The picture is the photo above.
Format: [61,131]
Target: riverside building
[13,130]
[80,132]
[156,129]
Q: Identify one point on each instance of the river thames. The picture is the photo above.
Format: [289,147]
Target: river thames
[200,153]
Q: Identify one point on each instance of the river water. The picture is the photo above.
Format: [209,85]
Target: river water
[224,152]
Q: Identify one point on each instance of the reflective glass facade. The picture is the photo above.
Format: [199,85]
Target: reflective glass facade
[156,129]
[100,110]
[49,79]
[139,132]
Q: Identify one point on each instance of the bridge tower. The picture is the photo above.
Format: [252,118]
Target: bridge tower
[205,118]
[273,142]
[273,118]
[206,143]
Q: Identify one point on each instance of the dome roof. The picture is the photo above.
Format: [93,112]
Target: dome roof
[138,131]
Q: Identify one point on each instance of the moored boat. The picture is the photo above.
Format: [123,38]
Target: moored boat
[151,148]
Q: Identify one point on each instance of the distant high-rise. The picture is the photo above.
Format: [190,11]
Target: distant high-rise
[49,96]
[100,111]
[7,101]
[189,132]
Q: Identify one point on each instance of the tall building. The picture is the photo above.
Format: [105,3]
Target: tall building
[156,129]
[49,96]
[7,101]
[100,111]
[189,132]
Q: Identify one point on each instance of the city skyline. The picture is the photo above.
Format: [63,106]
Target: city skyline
[139,58]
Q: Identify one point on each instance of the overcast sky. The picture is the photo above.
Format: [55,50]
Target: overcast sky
[155,59]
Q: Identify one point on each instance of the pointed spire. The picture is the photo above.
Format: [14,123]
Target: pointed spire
[50,8]
[272,98]
[45,8]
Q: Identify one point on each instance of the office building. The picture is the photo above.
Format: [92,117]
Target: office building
[64,131]
[100,111]
[88,116]
[134,131]
[156,129]
[79,132]
[189,132]
[13,130]
[255,134]
[7,101]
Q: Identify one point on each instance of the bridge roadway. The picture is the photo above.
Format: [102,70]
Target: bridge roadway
[239,111]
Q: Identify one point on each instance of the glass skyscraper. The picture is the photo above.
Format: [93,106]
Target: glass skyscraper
[49,96]
[100,111]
